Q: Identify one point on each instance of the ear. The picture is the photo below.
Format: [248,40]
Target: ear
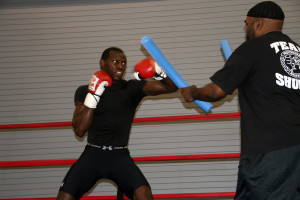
[259,23]
[102,63]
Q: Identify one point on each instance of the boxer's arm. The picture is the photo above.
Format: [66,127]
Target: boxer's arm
[164,86]
[84,111]
[82,118]
[210,92]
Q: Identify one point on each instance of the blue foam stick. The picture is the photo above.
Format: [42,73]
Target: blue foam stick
[226,48]
[157,55]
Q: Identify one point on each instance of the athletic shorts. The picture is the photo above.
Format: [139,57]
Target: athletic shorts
[270,176]
[95,164]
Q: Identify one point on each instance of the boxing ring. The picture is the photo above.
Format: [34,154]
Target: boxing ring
[148,159]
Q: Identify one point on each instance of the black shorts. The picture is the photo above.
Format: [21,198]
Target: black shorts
[95,164]
[270,176]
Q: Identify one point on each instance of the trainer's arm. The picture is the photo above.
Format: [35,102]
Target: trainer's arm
[210,92]
[164,86]
[82,118]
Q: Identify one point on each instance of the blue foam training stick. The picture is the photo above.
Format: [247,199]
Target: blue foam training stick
[157,55]
[226,48]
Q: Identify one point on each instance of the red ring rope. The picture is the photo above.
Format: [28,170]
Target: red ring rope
[31,163]
[136,120]
[156,196]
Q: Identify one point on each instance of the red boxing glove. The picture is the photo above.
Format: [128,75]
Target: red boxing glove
[96,87]
[148,68]
[98,78]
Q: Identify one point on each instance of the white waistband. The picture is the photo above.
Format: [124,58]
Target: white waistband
[110,148]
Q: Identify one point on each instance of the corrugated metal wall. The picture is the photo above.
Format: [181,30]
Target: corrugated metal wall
[49,48]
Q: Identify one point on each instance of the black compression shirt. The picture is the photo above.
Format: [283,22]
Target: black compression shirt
[114,113]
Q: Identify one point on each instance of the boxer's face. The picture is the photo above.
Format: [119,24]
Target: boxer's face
[115,65]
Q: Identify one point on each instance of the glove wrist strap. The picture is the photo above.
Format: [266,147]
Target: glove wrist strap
[91,100]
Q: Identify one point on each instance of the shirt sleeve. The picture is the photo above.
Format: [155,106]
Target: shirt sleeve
[235,70]
[138,89]
[81,93]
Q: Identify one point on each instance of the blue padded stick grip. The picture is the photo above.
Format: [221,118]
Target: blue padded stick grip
[226,48]
[157,55]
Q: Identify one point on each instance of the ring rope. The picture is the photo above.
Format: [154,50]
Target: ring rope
[135,120]
[155,196]
[34,163]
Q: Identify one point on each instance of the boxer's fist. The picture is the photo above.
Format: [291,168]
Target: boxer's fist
[148,68]
[96,87]
[98,81]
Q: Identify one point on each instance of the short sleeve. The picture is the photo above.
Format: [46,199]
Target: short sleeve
[235,70]
[137,88]
[81,93]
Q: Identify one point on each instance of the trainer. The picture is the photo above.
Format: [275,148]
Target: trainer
[106,108]
[266,71]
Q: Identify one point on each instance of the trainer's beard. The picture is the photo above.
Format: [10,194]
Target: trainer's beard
[250,34]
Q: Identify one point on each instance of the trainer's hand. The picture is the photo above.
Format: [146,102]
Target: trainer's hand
[148,68]
[96,87]
[187,93]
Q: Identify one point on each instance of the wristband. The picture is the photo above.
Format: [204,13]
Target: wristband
[91,100]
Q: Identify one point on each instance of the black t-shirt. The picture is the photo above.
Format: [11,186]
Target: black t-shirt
[266,71]
[114,113]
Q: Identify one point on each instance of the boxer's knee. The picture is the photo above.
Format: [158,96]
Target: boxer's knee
[143,193]
[64,196]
